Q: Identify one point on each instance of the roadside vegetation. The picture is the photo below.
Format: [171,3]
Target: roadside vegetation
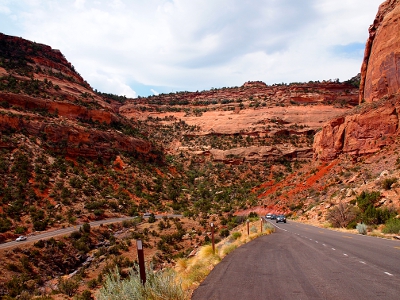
[180,281]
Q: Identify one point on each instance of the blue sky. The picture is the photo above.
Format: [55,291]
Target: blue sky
[135,47]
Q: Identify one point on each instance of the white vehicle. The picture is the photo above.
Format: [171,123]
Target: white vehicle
[21,238]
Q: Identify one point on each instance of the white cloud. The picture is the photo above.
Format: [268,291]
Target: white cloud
[79,4]
[4,10]
[198,44]
[154,92]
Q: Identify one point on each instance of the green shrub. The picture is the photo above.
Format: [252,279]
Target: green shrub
[75,235]
[392,226]
[86,295]
[68,286]
[20,229]
[152,218]
[40,225]
[39,244]
[5,224]
[159,285]
[361,228]
[268,226]
[92,283]
[85,227]
[365,199]
[388,182]
[253,215]
[236,235]
[224,232]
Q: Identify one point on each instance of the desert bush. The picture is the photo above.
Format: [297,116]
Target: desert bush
[392,226]
[68,286]
[39,244]
[92,283]
[236,235]
[76,235]
[342,215]
[16,285]
[268,228]
[5,224]
[365,199]
[86,295]
[388,182]
[159,285]
[224,232]
[253,215]
[228,248]
[361,228]
[20,229]
[85,227]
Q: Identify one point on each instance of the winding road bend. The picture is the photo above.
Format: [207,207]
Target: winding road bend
[300,261]
[68,230]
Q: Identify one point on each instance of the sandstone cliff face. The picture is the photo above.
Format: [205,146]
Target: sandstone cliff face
[251,123]
[380,72]
[361,133]
[370,128]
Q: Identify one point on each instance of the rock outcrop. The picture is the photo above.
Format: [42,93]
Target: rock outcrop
[380,72]
[368,129]
[361,133]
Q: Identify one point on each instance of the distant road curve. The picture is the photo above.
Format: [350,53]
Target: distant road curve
[64,231]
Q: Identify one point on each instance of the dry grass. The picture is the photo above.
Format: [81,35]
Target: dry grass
[194,270]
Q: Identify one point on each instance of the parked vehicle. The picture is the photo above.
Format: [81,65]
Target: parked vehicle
[281,218]
[21,238]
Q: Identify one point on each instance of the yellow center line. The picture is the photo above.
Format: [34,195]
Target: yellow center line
[397,248]
[347,237]
[321,232]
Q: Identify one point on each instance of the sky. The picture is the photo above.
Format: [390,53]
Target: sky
[147,47]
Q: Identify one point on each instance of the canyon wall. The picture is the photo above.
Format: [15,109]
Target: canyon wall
[374,124]
[380,71]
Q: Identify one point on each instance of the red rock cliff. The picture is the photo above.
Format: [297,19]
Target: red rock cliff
[374,125]
[380,72]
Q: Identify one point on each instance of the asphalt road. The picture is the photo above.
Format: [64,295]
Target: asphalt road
[64,231]
[305,262]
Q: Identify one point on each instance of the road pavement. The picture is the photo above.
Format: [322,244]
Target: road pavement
[64,231]
[301,261]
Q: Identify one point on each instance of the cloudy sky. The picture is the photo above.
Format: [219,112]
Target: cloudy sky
[145,47]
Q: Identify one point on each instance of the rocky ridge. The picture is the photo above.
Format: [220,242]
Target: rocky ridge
[279,119]
[42,94]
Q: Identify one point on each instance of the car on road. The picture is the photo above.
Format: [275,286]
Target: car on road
[281,218]
[268,216]
[21,238]
[273,217]
[146,214]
